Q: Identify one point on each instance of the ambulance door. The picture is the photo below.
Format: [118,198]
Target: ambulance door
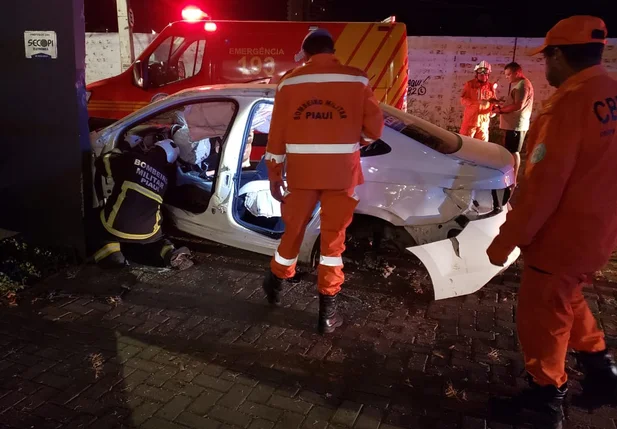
[179,62]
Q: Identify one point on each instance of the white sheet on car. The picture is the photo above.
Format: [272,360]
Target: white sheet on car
[459,266]
[259,201]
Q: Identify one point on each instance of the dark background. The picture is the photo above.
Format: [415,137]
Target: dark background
[423,17]
[46,144]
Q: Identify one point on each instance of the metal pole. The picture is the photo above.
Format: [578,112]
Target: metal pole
[125,32]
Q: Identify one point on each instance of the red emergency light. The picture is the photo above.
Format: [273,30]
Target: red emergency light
[193,14]
[210,26]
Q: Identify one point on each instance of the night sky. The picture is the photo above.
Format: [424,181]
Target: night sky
[423,17]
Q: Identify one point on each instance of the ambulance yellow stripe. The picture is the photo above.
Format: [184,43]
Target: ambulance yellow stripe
[117,102]
[386,64]
[368,48]
[346,43]
[360,42]
[116,105]
[123,105]
[113,109]
[398,87]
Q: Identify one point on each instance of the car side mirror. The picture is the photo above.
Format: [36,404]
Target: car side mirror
[140,74]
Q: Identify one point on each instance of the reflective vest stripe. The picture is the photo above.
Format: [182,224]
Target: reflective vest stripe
[336,148]
[284,261]
[368,139]
[323,78]
[331,261]
[109,222]
[279,159]
[106,250]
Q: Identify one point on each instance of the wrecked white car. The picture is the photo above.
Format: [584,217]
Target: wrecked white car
[437,194]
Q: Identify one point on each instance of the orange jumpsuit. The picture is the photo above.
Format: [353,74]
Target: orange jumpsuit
[565,221]
[476,117]
[323,113]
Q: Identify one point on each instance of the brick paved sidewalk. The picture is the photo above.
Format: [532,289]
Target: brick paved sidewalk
[200,349]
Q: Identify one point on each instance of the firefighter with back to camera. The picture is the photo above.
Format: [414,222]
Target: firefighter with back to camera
[323,113]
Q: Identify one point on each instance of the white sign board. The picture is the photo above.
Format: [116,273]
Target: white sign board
[41,44]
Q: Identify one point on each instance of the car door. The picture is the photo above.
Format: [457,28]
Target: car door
[228,231]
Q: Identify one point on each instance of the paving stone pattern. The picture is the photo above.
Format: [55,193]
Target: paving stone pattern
[201,349]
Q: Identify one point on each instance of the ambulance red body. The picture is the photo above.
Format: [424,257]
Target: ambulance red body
[196,52]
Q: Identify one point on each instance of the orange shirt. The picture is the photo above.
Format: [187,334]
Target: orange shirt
[566,218]
[477,113]
[323,113]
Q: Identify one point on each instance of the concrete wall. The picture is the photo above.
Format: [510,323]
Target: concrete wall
[103,53]
[438,68]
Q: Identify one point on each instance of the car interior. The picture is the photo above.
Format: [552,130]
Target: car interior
[254,206]
[200,141]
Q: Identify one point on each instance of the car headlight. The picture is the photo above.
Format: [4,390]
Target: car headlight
[88,95]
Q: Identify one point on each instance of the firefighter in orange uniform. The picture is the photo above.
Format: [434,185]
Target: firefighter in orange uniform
[478,98]
[323,113]
[565,222]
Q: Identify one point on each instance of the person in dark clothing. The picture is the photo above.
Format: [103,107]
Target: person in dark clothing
[130,222]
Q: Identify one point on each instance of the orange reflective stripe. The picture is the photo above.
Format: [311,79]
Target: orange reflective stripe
[324,78]
[323,148]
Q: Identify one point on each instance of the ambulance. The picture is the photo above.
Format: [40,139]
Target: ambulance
[198,51]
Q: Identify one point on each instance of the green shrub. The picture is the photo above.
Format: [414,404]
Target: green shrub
[22,264]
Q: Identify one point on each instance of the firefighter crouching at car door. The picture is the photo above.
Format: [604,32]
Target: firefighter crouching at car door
[323,113]
[478,98]
[130,221]
[565,221]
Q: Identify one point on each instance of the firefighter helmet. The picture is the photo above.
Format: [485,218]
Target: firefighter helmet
[482,66]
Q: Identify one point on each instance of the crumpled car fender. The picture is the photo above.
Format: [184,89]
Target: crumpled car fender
[460,266]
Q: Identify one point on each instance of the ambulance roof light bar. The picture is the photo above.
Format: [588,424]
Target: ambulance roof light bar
[193,14]
[389,20]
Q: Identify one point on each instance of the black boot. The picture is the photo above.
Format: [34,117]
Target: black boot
[272,286]
[544,402]
[329,319]
[180,259]
[600,382]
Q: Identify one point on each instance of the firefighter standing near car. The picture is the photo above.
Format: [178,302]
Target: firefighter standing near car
[323,113]
[478,98]
[565,222]
[130,221]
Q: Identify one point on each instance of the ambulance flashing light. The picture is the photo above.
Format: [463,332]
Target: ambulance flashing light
[193,14]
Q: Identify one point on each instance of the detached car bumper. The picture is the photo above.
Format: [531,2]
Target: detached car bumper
[459,266]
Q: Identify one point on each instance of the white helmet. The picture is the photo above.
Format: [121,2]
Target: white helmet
[482,65]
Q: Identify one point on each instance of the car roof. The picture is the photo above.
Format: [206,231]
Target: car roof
[232,89]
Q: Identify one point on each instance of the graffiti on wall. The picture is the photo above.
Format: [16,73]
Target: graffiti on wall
[417,86]
[438,66]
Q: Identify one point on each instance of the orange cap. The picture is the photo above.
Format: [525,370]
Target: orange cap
[576,30]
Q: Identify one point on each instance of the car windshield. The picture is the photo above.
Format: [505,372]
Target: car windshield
[422,131]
